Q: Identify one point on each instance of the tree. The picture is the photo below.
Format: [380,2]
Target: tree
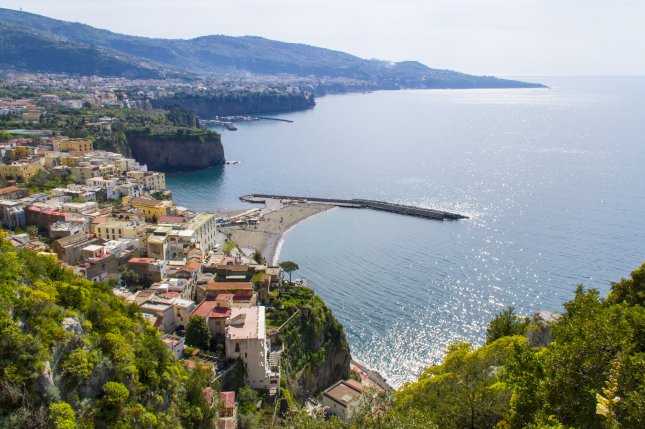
[61,416]
[506,324]
[228,247]
[197,333]
[289,267]
[32,231]
[4,136]
[466,390]
[248,399]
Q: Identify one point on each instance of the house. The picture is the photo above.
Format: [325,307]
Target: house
[215,288]
[175,344]
[98,265]
[149,270]
[70,249]
[72,145]
[205,227]
[22,171]
[12,193]
[12,214]
[341,396]
[118,229]
[227,404]
[216,317]
[162,312]
[152,209]
[246,339]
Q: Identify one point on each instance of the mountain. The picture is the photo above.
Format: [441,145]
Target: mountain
[37,43]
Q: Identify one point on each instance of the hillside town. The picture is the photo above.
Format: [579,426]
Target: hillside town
[108,218]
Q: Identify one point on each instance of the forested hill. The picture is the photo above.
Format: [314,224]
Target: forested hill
[73,355]
[78,48]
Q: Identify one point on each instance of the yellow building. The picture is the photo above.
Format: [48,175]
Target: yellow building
[22,171]
[117,229]
[151,180]
[152,209]
[18,152]
[77,145]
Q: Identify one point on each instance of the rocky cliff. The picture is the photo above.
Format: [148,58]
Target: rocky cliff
[176,151]
[209,106]
[316,352]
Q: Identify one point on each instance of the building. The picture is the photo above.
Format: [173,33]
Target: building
[70,249]
[175,344]
[341,397]
[72,145]
[12,193]
[22,171]
[149,270]
[246,339]
[216,317]
[118,229]
[205,228]
[152,209]
[227,411]
[213,289]
[12,214]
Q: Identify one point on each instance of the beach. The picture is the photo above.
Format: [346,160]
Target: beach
[276,220]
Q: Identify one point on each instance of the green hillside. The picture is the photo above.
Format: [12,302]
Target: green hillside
[74,355]
[221,54]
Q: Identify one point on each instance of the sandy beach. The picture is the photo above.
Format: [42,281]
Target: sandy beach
[266,235]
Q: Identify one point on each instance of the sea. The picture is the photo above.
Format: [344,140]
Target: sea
[552,179]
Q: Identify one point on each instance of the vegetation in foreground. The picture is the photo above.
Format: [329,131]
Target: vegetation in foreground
[591,376]
[74,355]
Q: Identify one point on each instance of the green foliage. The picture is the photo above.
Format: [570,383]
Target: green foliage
[466,390]
[197,333]
[592,375]
[108,364]
[506,323]
[289,267]
[228,247]
[247,398]
[4,136]
[62,416]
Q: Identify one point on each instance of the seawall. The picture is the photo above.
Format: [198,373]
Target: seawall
[362,203]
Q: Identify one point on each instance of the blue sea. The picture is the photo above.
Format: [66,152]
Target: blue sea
[553,181]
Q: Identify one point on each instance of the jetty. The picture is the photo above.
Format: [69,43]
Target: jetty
[361,204]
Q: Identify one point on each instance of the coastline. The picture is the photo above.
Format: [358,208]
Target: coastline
[275,221]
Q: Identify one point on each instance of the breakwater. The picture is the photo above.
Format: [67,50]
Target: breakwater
[360,204]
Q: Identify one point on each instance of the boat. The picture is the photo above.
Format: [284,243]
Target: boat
[229,126]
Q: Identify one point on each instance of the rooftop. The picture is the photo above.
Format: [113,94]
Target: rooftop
[246,323]
[228,286]
[344,391]
[227,399]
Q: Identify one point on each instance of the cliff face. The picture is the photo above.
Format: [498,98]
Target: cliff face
[176,152]
[230,104]
[316,351]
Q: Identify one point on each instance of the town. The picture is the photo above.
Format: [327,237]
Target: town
[108,218]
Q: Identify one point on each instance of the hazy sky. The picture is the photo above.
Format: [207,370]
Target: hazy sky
[500,37]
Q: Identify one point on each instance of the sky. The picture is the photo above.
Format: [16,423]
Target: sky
[486,37]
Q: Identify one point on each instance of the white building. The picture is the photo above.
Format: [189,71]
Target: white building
[205,228]
[246,339]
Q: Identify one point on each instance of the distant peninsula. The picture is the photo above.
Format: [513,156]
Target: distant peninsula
[35,43]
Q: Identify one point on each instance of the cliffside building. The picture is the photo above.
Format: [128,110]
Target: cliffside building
[246,339]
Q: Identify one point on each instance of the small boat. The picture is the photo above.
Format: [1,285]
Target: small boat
[229,126]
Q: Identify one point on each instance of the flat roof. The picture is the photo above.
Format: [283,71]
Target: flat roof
[228,286]
[344,391]
[247,323]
